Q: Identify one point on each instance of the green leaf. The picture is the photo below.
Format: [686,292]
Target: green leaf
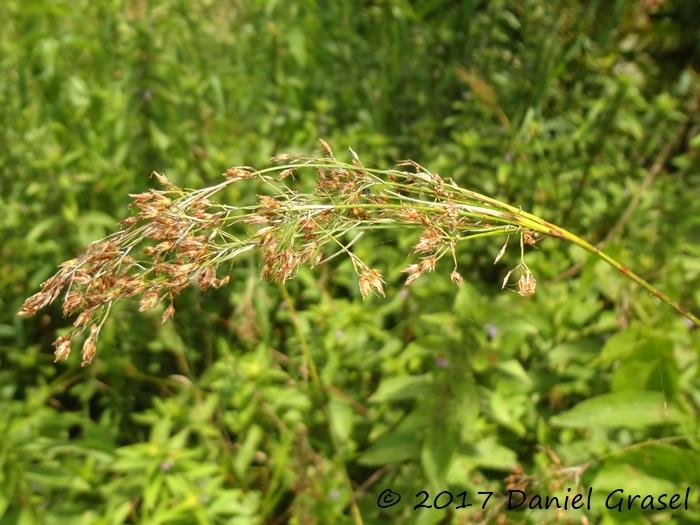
[78,93]
[516,370]
[491,454]
[401,444]
[341,418]
[436,456]
[402,387]
[630,409]
[159,138]
[664,461]
[245,454]
[297,46]
[614,475]
[508,411]
[40,228]
[391,448]
[694,143]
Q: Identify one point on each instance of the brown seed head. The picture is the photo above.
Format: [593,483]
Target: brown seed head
[62,345]
[326,149]
[168,313]
[83,318]
[128,221]
[256,219]
[206,277]
[409,214]
[527,284]
[427,264]
[236,174]
[370,280]
[529,238]
[286,173]
[163,180]
[218,283]
[414,271]
[268,204]
[149,300]
[429,241]
[89,347]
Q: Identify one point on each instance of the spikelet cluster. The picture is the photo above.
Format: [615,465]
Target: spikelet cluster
[177,237]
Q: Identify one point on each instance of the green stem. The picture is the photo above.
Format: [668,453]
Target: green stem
[543,226]
[478,206]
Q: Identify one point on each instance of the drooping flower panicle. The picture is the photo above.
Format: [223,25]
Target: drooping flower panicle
[176,237]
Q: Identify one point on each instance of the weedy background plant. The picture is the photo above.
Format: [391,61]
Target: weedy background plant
[262,403]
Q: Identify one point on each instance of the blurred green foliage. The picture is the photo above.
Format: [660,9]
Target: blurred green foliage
[583,112]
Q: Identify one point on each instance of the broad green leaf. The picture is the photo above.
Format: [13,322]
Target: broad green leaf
[392,448]
[630,409]
[664,461]
[491,454]
[341,416]
[436,454]
[614,475]
[52,477]
[516,370]
[160,139]
[508,411]
[402,388]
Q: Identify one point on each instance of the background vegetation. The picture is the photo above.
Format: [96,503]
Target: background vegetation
[586,113]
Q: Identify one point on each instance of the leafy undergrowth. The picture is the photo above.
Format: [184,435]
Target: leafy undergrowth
[583,114]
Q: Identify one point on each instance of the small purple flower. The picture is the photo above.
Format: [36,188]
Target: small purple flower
[491,330]
[442,362]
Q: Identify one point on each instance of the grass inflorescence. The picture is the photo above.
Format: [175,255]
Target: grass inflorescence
[176,237]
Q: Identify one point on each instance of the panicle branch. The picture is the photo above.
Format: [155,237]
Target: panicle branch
[176,237]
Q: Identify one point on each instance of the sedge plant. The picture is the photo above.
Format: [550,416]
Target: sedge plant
[177,236]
